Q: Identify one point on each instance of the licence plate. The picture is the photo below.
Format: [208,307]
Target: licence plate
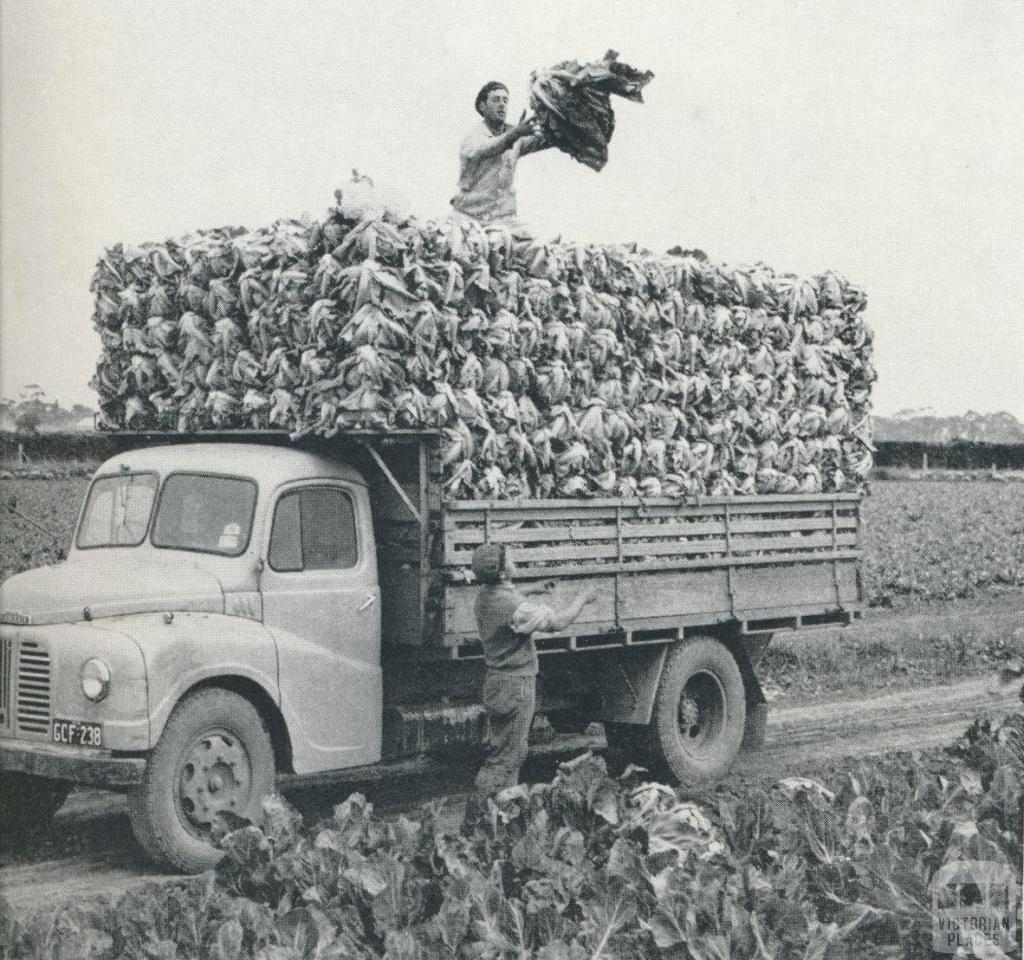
[76,733]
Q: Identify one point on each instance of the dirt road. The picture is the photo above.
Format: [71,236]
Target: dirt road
[90,851]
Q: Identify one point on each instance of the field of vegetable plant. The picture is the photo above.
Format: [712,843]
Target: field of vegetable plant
[590,866]
[943,540]
[927,543]
[28,508]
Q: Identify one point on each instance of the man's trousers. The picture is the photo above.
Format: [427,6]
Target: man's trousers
[510,700]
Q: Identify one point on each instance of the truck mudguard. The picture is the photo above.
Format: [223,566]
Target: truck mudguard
[626,691]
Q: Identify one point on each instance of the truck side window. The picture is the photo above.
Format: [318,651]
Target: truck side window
[286,537]
[314,529]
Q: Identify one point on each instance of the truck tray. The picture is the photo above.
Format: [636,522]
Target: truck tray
[665,564]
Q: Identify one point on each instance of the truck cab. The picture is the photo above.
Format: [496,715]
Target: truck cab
[198,572]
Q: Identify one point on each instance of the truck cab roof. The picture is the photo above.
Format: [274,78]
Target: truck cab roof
[269,465]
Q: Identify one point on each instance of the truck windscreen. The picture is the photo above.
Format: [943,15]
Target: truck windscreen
[206,513]
[117,511]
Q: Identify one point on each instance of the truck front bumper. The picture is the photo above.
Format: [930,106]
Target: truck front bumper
[98,768]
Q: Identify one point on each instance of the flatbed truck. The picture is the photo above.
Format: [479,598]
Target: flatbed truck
[241,611]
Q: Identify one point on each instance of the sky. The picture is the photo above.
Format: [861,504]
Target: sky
[882,140]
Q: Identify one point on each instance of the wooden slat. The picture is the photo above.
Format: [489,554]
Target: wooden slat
[582,552]
[718,561]
[612,502]
[770,505]
[472,536]
[688,529]
[522,555]
[742,510]
[662,548]
[523,514]
[658,548]
[526,514]
[794,523]
[807,541]
[630,531]
[767,546]
[578,534]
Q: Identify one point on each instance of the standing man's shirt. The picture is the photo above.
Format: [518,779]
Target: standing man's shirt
[507,621]
[486,183]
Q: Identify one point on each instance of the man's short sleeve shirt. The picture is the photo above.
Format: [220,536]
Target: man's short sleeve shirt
[487,183]
[507,620]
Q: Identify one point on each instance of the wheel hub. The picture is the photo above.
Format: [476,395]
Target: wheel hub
[689,715]
[214,777]
[701,712]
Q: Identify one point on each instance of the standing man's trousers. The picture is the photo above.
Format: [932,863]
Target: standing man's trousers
[510,701]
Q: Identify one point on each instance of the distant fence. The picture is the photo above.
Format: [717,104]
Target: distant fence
[960,455]
[55,446]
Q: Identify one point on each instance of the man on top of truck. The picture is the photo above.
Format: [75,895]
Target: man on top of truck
[488,158]
[507,621]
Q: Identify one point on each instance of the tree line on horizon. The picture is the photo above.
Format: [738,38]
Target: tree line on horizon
[34,411]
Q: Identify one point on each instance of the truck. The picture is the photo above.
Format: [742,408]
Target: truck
[241,612]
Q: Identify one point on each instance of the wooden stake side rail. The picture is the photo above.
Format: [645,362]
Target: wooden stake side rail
[543,533]
[661,565]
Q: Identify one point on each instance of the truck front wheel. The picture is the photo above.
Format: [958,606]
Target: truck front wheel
[699,713]
[28,803]
[214,757]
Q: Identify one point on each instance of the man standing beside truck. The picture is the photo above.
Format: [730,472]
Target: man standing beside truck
[507,621]
[488,158]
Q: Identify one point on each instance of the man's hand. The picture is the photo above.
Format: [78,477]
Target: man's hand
[526,127]
[569,613]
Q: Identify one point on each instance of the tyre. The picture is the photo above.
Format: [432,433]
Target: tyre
[214,757]
[699,713]
[28,803]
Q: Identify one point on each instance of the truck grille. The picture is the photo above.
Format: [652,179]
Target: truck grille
[33,708]
[6,648]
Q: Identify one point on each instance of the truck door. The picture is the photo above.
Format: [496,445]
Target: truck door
[321,601]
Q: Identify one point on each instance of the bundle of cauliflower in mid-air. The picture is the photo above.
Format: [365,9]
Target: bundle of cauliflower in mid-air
[572,103]
[553,369]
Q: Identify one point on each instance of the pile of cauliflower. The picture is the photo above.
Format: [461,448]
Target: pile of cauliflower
[554,369]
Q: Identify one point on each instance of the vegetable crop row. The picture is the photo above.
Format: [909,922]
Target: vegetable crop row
[590,866]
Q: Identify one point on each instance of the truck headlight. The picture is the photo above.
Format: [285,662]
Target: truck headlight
[95,679]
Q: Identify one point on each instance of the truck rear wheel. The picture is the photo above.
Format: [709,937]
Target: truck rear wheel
[28,803]
[214,757]
[699,713]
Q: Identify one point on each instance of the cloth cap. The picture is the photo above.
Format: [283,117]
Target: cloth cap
[488,562]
